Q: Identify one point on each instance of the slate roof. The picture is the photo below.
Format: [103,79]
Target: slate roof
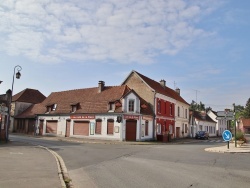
[89,100]
[198,115]
[160,89]
[29,95]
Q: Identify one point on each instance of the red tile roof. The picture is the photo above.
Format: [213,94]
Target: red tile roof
[162,90]
[29,95]
[246,122]
[90,101]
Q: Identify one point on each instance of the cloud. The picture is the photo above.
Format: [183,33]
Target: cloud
[81,30]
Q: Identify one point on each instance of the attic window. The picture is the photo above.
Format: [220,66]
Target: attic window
[51,107]
[111,106]
[74,107]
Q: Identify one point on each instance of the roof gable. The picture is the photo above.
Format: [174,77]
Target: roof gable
[29,95]
[157,87]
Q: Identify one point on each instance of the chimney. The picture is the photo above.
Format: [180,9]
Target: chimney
[163,83]
[177,90]
[101,86]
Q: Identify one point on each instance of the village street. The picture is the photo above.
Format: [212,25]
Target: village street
[155,165]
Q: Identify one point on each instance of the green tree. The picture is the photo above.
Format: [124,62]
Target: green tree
[246,111]
[197,106]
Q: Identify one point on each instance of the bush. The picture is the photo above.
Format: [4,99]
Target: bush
[240,136]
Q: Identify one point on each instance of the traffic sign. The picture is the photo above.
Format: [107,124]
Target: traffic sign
[227,135]
[226,118]
[225,114]
[3,109]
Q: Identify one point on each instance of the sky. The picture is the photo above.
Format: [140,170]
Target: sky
[201,47]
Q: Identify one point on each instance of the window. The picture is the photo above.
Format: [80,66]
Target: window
[110,126]
[165,107]
[186,128]
[170,129]
[186,113]
[159,106]
[98,126]
[51,108]
[178,111]
[171,108]
[111,106]
[146,128]
[131,105]
[158,128]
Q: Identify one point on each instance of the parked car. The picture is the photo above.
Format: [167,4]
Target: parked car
[202,135]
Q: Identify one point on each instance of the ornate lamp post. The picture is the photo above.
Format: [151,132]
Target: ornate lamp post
[18,75]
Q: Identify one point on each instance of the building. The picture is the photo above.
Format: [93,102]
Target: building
[221,124]
[20,102]
[200,121]
[4,105]
[170,109]
[244,125]
[103,112]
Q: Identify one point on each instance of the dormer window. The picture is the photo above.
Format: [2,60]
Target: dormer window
[51,108]
[74,107]
[111,106]
[131,105]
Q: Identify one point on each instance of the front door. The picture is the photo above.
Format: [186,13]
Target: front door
[131,130]
[177,132]
[67,129]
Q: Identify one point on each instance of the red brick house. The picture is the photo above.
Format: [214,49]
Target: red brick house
[165,102]
[103,112]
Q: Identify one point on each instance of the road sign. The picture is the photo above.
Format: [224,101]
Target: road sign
[3,109]
[227,135]
[225,114]
[226,118]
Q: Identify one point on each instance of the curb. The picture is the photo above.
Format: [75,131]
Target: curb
[65,180]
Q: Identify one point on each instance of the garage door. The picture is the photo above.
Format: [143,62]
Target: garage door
[81,128]
[131,130]
[51,127]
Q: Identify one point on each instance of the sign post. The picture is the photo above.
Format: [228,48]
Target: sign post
[227,136]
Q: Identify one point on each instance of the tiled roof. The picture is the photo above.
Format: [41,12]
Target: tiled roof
[246,122]
[31,111]
[198,115]
[89,100]
[29,96]
[162,90]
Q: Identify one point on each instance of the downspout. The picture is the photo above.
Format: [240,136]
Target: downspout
[154,120]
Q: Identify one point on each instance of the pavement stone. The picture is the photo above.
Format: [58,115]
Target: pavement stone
[27,166]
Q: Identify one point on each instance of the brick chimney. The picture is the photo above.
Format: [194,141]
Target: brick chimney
[163,83]
[101,85]
[177,90]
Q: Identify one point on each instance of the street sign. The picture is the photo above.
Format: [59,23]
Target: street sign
[225,114]
[227,135]
[3,109]
[226,118]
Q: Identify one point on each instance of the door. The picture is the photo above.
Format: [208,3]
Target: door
[177,132]
[51,127]
[67,133]
[31,126]
[131,130]
[41,127]
[81,128]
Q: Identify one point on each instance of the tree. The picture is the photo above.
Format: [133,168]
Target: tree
[197,107]
[246,111]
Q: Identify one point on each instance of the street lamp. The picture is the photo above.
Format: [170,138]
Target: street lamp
[18,75]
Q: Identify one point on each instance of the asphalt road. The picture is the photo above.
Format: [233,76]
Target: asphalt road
[182,165]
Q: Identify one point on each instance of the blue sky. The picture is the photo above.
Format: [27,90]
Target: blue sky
[201,46]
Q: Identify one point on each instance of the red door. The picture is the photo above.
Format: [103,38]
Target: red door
[81,128]
[131,130]
[41,127]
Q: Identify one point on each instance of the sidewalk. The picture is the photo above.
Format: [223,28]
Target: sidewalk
[244,148]
[27,166]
